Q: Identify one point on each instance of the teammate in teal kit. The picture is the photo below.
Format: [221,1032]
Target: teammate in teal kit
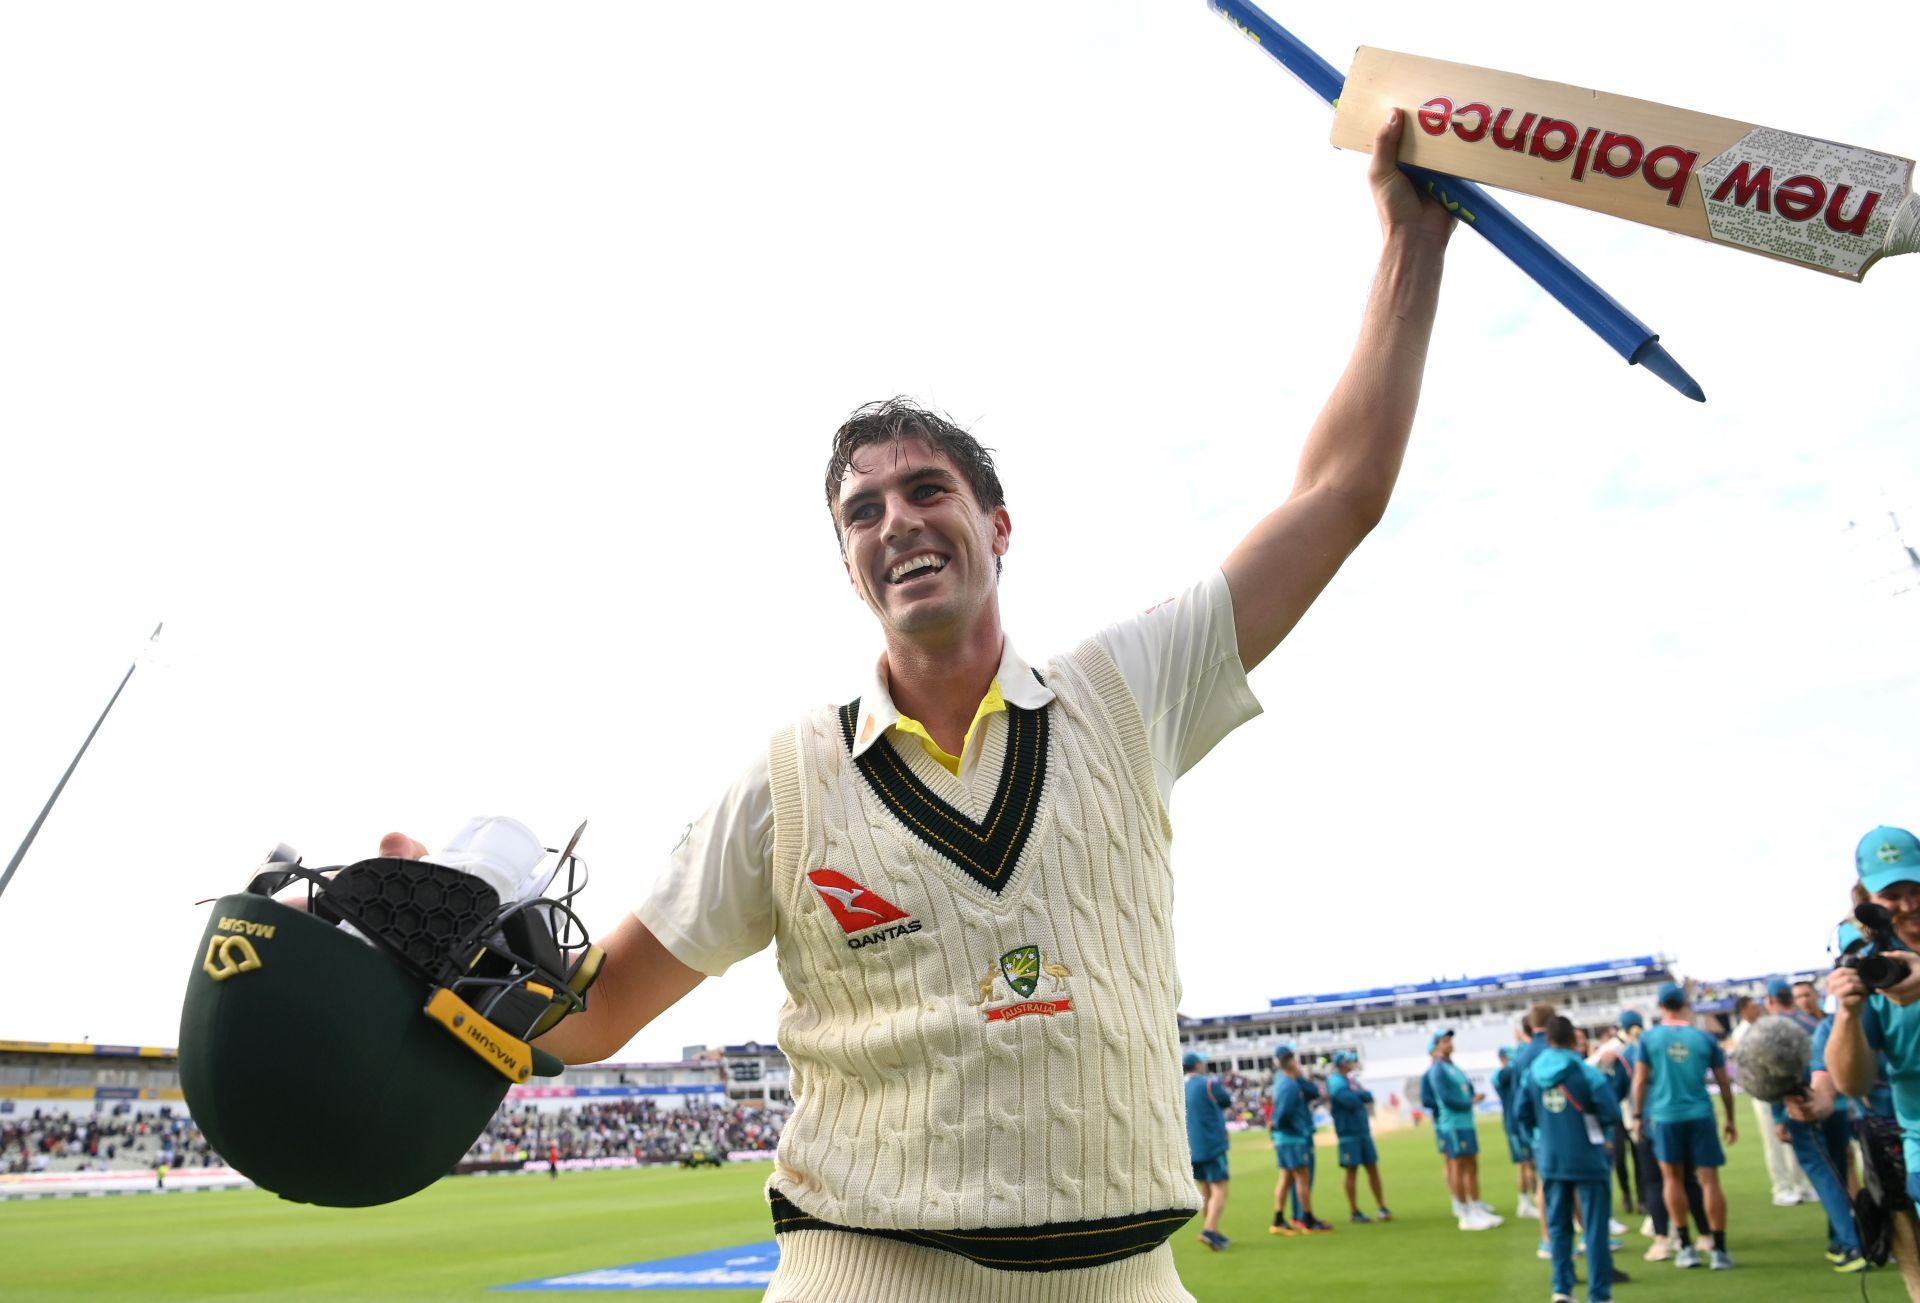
[1453,1092]
[1352,1127]
[1207,1102]
[1570,1107]
[1506,1084]
[1670,1098]
[1292,1126]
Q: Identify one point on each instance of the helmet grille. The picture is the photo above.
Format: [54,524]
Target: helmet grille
[422,910]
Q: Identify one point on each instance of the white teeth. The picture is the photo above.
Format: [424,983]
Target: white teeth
[911,564]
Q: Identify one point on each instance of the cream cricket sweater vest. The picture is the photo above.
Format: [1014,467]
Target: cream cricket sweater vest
[981,990]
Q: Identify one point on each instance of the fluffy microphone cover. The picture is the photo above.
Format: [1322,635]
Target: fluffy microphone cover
[1773,1058]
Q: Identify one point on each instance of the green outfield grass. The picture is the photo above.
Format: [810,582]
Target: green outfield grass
[462,1237]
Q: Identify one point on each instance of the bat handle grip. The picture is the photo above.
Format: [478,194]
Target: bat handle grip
[1903,232]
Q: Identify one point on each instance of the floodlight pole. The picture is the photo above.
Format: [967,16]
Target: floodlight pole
[61,786]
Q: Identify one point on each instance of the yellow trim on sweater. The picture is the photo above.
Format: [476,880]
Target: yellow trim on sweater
[991,704]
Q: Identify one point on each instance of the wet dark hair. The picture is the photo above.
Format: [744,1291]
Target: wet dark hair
[1560,1031]
[894,419]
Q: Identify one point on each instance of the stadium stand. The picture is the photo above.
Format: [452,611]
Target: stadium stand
[1388,1026]
[643,1130]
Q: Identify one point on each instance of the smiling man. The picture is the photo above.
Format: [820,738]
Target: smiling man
[966,868]
[1879,1030]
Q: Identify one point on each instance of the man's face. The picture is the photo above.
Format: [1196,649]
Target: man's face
[1902,900]
[919,551]
[1580,1042]
[1805,1000]
[1445,1049]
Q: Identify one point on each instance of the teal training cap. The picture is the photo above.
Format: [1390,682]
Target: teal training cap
[1885,856]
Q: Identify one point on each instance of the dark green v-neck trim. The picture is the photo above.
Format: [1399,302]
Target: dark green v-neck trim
[985,851]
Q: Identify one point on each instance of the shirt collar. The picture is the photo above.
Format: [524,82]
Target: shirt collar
[1018,685]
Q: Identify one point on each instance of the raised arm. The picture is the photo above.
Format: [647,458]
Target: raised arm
[639,981]
[1850,1056]
[1352,455]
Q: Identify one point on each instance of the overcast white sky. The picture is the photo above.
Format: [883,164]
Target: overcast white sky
[455,382]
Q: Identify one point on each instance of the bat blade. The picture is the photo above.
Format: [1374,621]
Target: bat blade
[1815,203]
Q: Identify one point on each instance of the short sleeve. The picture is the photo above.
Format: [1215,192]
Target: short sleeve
[1871,1025]
[1819,1063]
[1181,660]
[714,904]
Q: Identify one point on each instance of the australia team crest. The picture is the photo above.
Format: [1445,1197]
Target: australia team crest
[1021,970]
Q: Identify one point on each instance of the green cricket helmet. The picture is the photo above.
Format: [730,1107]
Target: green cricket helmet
[349,1053]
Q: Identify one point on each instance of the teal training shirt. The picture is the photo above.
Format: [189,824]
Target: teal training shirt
[1292,1117]
[1348,1104]
[1679,1059]
[1207,1101]
[1453,1089]
[1877,1102]
[1895,1032]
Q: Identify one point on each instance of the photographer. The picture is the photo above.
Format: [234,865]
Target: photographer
[1877,993]
[1791,1184]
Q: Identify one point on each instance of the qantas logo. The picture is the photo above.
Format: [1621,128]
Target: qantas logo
[857,909]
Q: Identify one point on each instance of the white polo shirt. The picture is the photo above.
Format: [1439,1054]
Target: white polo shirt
[714,904]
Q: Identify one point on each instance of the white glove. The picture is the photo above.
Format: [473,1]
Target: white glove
[504,854]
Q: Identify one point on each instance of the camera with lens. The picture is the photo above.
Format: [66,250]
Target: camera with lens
[1867,955]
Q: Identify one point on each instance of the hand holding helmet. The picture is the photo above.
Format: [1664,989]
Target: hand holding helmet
[407,989]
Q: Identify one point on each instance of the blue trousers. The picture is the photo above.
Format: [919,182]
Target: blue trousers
[1595,1201]
[1293,1195]
[1821,1148]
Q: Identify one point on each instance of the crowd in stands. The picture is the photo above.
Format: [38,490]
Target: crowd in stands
[626,1128]
[57,1142]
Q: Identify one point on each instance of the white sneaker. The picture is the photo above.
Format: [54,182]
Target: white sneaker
[1526,1208]
[1785,1199]
[1475,1220]
[1660,1250]
[1615,1228]
[1646,1227]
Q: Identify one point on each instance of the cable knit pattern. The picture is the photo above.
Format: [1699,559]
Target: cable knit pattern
[913,1110]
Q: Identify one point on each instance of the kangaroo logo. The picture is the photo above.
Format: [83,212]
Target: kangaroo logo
[853,906]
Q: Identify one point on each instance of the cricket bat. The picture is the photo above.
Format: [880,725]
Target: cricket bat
[1812,202]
